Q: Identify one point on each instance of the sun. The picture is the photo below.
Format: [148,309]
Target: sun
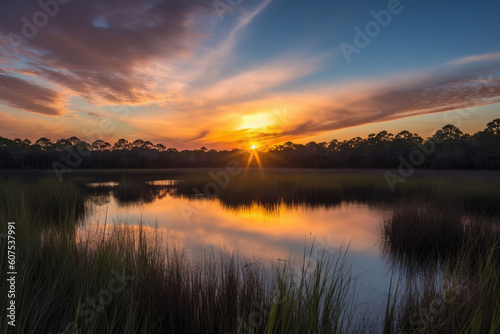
[253,154]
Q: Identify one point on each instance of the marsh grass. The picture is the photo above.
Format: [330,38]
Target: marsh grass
[478,194]
[451,260]
[423,232]
[465,298]
[62,275]
[320,302]
[65,280]
[45,200]
[68,281]
[420,230]
[65,273]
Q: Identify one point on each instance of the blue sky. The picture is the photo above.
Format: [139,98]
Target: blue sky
[191,74]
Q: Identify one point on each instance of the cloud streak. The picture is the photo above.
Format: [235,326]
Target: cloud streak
[475,59]
[22,94]
[178,74]
[94,47]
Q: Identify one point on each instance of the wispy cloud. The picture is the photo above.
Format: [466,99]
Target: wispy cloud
[475,59]
[209,63]
[29,96]
[248,82]
[178,73]
[99,62]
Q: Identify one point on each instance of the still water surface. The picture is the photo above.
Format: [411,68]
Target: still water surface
[258,232]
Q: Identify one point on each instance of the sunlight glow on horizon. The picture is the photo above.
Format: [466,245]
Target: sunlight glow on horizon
[255,122]
[227,85]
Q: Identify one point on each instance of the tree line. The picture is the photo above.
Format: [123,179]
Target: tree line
[448,148]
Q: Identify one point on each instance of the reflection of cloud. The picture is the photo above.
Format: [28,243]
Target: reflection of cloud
[282,235]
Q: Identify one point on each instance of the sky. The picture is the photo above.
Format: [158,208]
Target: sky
[235,73]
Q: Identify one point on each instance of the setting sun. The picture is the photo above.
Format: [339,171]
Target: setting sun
[203,158]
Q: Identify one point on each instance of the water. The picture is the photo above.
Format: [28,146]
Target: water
[257,232]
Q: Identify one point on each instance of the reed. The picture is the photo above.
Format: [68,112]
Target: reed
[125,278]
[463,299]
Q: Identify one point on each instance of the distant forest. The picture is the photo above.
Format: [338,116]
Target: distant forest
[448,148]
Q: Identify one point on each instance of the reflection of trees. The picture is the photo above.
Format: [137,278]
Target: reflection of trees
[99,200]
[131,192]
[268,193]
[127,192]
[424,227]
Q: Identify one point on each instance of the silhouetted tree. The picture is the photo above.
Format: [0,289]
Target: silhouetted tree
[494,126]
[121,144]
[448,148]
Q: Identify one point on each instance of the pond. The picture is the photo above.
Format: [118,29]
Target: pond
[428,249]
[256,230]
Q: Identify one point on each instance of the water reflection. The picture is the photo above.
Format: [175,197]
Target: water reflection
[270,231]
[413,231]
[130,193]
[387,236]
